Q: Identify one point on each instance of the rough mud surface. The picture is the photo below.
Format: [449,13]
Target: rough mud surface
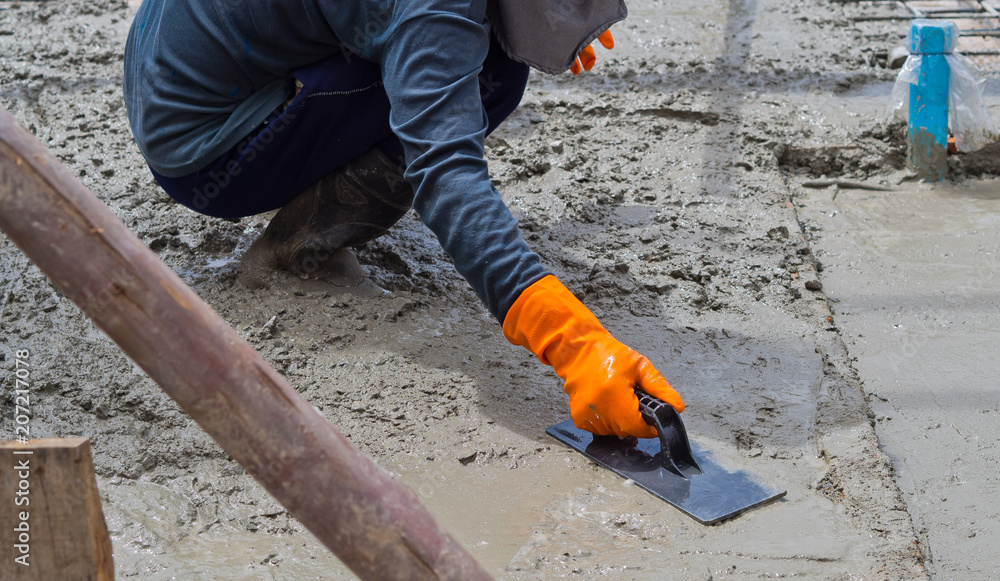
[657,187]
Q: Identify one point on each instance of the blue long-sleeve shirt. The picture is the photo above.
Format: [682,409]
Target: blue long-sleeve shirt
[201,74]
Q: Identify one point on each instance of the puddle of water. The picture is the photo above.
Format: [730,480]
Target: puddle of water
[158,534]
[915,208]
[219,263]
[491,508]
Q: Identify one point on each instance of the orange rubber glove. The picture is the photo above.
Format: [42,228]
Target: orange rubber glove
[587,57]
[599,371]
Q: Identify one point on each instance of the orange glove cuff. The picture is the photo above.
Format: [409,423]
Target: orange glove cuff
[541,318]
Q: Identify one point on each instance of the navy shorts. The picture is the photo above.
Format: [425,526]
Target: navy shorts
[340,112]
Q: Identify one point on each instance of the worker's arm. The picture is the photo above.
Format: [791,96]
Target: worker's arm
[430,67]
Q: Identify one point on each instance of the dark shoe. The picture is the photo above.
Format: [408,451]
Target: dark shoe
[357,203]
[259,269]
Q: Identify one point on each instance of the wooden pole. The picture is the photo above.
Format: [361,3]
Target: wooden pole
[375,525]
[53,525]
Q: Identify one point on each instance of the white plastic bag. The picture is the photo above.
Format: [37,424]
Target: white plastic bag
[968,118]
[899,98]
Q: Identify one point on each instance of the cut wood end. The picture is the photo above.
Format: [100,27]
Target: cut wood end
[44,443]
[47,443]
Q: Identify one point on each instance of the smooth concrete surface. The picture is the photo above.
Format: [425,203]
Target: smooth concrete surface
[913,276]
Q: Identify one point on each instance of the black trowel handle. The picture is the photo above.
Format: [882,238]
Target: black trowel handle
[675,448]
[649,406]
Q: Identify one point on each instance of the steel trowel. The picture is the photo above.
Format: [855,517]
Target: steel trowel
[671,466]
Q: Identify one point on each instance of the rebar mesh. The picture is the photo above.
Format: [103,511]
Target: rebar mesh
[978,22]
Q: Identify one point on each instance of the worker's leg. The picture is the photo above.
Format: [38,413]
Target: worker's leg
[340,113]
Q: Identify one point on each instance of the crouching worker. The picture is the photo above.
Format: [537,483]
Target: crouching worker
[342,114]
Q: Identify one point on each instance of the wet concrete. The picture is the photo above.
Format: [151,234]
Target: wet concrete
[659,187]
[914,275]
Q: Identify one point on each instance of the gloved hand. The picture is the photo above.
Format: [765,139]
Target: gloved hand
[588,57]
[599,371]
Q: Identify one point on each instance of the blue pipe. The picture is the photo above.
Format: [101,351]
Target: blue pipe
[927,148]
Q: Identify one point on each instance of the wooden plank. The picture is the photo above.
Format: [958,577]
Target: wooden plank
[374,524]
[53,525]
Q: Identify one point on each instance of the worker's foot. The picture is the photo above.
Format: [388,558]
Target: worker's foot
[309,235]
[259,268]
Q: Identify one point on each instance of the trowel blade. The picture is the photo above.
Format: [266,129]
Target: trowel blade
[713,496]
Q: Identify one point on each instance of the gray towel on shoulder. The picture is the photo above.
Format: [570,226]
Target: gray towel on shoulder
[548,34]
